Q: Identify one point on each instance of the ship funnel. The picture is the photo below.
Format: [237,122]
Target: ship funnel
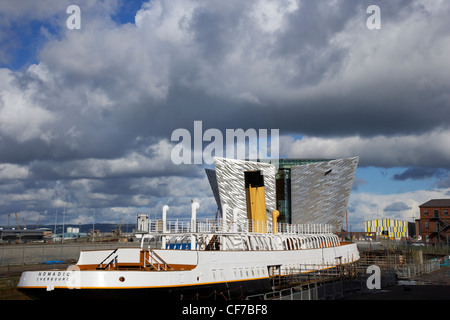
[164,217]
[256,201]
[165,208]
[194,207]
[275,215]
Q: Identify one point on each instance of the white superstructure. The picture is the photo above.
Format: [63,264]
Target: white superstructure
[196,257]
[232,257]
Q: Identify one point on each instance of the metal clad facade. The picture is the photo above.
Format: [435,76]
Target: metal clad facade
[320,191]
[231,185]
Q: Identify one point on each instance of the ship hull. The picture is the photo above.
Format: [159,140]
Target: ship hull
[219,275]
[217,291]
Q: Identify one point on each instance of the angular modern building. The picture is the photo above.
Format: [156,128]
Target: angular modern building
[228,185]
[304,191]
[283,183]
[320,191]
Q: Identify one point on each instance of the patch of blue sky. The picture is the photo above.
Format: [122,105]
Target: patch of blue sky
[381,181]
[24,43]
[24,40]
[127,11]
[297,136]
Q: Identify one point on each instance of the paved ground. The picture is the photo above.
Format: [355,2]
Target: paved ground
[10,275]
[432,286]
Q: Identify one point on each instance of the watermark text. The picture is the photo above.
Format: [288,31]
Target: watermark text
[74,20]
[203,146]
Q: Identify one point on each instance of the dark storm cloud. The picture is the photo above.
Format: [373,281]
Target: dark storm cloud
[91,120]
[217,27]
[139,81]
[397,206]
[444,182]
[306,54]
[417,173]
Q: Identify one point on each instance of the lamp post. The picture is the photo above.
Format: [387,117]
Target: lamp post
[93,227]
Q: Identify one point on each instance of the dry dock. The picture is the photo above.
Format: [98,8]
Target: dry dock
[429,284]
[432,286]
[9,278]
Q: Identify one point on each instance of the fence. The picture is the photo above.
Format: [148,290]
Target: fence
[37,254]
[336,288]
[412,270]
[324,286]
[245,225]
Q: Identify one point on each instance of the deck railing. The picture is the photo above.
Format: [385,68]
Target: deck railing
[245,226]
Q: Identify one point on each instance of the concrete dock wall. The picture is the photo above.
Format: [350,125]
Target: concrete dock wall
[42,253]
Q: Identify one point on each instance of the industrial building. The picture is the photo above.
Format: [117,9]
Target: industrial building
[435,222]
[142,223]
[18,235]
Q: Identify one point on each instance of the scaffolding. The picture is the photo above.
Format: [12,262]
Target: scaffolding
[335,283]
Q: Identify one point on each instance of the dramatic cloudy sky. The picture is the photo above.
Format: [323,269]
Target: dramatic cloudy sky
[86,115]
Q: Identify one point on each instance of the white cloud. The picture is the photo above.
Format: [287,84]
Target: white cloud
[13,171]
[425,149]
[102,99]
[270,16]
[369,206]
[21,117]
[156,159]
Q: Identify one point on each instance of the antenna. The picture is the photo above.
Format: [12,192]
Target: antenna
[93,226]
[56,216]
[64,218]
[346,221]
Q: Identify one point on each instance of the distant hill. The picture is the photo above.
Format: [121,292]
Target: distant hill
[85,228]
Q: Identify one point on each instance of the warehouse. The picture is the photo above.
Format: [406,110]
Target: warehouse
[435,221]
[13,235]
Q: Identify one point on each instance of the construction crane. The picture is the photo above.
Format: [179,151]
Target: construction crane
[17,221]
[37,225]
[118,231]
[24,223]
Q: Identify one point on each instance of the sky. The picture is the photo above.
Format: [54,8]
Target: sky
[87,113]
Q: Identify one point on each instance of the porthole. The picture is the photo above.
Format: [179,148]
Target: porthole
[121,279]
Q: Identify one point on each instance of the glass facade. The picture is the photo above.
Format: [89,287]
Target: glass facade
[283,184]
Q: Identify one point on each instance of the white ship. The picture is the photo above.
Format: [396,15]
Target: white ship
[229,258]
